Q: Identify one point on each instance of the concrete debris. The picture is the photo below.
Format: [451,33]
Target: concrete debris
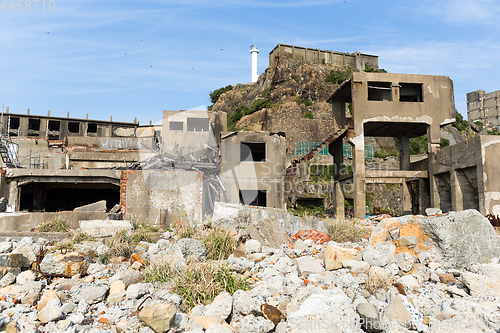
[292,288]
[99,206]
[105,228]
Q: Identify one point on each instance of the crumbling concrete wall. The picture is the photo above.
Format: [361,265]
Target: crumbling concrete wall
[266,174]
[26,221]
[159,197]
[467,176]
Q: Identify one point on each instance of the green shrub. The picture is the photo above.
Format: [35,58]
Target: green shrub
[418,145]
[307,102]
[338,77]
[369,69]
[308,115]
[214,95]
[460,124]
[444,142]
[479,124]
[295,78]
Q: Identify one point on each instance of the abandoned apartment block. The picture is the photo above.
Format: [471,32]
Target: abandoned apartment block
[484,107]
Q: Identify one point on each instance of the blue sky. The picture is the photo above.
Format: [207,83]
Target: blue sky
[130,59]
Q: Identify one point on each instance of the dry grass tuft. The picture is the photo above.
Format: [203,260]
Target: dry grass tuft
[378,281]
[346,230]
[197,284]
[57,224]
[219,244]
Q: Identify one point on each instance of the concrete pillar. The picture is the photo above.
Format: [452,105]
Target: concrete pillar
[422,203]
[433,188]
[23,126]
[339,202]
[404,149]
[406,195]
[457,201]
[13,196]
[336,149]
[358,153]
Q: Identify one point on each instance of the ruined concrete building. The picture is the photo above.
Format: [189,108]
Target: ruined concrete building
[388,105]
[355,60]
[484,107]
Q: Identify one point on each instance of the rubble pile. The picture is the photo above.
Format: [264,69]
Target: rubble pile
[414,273]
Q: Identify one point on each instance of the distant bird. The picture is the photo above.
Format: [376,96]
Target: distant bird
[48,32]
[222,49]
[125,54]
[151,66]
[141,40]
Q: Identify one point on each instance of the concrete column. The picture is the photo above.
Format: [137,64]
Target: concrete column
[457,201]
[422,203]
[339,202]
[433,138]
[433,188]
[404,149]
[23,126]
[358,153]
[406,195]
[336,149]
[13,196]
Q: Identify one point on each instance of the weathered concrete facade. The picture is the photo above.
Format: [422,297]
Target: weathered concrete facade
[484,107]
[253,168]
[355,60]
[57,128]
[466,176]
[388,105]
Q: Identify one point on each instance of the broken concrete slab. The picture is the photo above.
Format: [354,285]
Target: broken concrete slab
[268,232]
[237,216]
[99,206]
[105,228]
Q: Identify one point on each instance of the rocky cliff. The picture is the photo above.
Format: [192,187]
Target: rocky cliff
[295,90]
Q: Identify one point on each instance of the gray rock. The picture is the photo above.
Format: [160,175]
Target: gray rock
[221,307]
[94,268]
[369,316]
[104,228]
[356,266]
[308,265]
[68,307]
[13,260]
[408,240]
[380,254]
[240,264]
[132,278]
[480,285]
[93,295]
[160,317]
[135,291]
[251,324]
[191,248]
[7,280]
[405,261]
[76,318]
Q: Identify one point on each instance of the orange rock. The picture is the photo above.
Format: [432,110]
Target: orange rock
[103,320]
[139,257]
[318,237]
[306,281]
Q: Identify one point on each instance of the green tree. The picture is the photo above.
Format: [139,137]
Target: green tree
[338,77]
[369,69]
[214,95]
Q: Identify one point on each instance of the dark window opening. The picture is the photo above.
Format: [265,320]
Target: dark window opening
[157,138]
[73,127]
[379,91]
[176,126]
[198,124]
[252,151]
[54,126]
[91,128]
[54,197]
[14,123]
[34,124]
[253,197]
[410,92]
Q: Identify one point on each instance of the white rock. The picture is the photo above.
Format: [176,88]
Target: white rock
[307,265]
[5,247]
[25,276]
[251,324]
[356,266]
[137,290]
[380,254]
[252,246]
[7,280]
[49,313]
[221,307]
[409,282]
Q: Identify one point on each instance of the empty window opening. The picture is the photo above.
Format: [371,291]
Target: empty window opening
[91,128]
[14,123]
[54,125]
[253,152]
[176,126]
[253,197]
[410,92]
[379,91]
[157,138]
[73,127]
[198,124]
[34,124]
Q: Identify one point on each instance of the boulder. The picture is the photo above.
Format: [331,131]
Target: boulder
[160,317]
[252,324]
[307,265]
[69,264]
[94,294]
[335,255]
[456,239]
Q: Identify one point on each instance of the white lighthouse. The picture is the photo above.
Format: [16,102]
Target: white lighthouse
[254,51]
